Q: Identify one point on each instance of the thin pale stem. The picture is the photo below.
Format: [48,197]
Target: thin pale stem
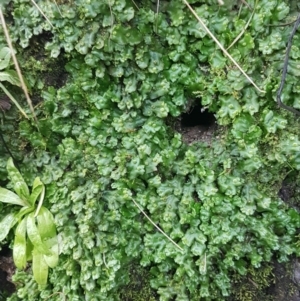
[135,5]
[156,16]
[58,8]
[160,230]
[42,13]
[244,29]
[25,90]
[41,200]
[13,100]
[243,1]
[221,47]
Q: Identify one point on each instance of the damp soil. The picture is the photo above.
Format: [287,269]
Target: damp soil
[287,281]
[197,125]
[7,269]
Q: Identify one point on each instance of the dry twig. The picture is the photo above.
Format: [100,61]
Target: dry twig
[9,43]
[160,230]
[221,47]
[244,29]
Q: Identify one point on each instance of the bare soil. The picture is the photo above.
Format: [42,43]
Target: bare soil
[7,269]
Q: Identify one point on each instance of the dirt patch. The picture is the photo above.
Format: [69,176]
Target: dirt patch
[7,269]
[287,280]
[197,133]
[197,125]
[271,282]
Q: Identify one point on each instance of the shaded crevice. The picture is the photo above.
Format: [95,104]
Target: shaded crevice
[197,116]
[197,125]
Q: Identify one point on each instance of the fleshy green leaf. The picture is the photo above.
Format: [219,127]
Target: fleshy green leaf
[6,196]
[37,189]
[35,236]
[10,76]
[46,226]
[19,249]
[6,224]
[230,107]
[39,268]
[23,211]
[29,250]
[4,57]
[198,249]
[20,185]
[156,63]
[52,244]
[273,121]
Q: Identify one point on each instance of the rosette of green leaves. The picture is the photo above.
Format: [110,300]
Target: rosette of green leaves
[35,234]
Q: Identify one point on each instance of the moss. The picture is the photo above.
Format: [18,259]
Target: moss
[271,282]
[41,70]
[284,287]
[138,288]
[253,286]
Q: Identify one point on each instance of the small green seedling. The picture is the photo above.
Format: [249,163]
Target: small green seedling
[35,234]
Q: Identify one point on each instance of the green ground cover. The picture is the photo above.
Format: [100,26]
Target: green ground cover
[108,80]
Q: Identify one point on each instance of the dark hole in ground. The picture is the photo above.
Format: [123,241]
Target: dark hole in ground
[197,125]
[197,116]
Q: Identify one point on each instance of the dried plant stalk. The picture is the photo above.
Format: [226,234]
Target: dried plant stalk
[160,230]
[9,43]
[221,47]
